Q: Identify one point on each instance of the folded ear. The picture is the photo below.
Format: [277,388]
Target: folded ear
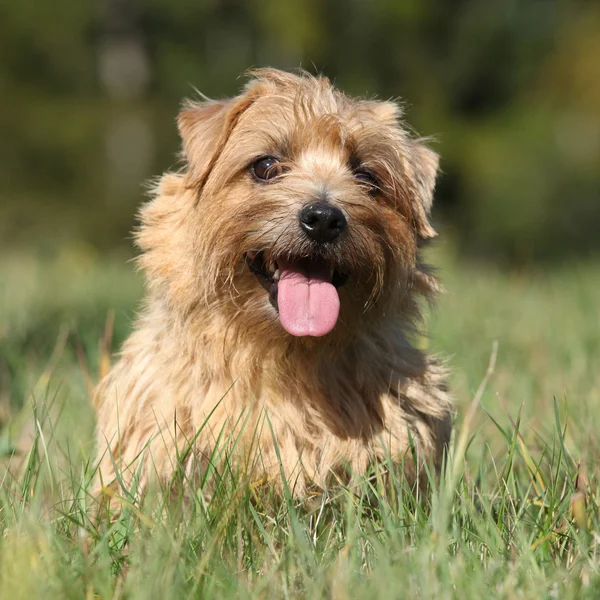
[424,166]
[420,168]
[204,128]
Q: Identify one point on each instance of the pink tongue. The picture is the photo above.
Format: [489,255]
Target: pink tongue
[308,303]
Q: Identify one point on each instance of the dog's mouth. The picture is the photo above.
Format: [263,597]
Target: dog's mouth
[303,291]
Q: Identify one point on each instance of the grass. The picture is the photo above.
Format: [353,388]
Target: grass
[515,516]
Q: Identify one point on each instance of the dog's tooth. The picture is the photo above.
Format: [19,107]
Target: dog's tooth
[271,267]
[276,275]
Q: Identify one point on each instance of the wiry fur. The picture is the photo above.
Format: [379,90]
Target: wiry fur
[208,357]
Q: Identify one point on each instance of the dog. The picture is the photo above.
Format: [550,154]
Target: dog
[284,286]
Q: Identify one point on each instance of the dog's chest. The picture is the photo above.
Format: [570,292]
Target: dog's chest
[297,431]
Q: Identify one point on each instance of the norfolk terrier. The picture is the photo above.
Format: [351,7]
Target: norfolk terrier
[284,284]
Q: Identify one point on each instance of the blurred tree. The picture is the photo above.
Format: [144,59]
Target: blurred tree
[510,89]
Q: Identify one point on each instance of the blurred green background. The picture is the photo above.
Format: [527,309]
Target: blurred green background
[511,91]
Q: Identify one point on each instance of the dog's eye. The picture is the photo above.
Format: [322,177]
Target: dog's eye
[266,168]
[367,178]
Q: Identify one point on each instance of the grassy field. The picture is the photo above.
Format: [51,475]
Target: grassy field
[515,516]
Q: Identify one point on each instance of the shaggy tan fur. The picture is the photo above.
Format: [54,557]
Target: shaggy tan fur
[209,359]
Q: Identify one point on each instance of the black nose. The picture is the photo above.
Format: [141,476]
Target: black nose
[322,222]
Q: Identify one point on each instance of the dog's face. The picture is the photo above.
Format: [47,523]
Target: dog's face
[308,208]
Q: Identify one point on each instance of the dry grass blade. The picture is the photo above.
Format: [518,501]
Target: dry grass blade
[105,345]
[463,437]
[89,382]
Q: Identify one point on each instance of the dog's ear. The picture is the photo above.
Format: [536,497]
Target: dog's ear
[204,128]
[421,165]
[387,112]
[424,164]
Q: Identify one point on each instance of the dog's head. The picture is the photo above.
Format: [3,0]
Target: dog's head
[301,210]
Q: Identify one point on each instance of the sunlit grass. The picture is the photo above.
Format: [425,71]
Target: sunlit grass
[516,514]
